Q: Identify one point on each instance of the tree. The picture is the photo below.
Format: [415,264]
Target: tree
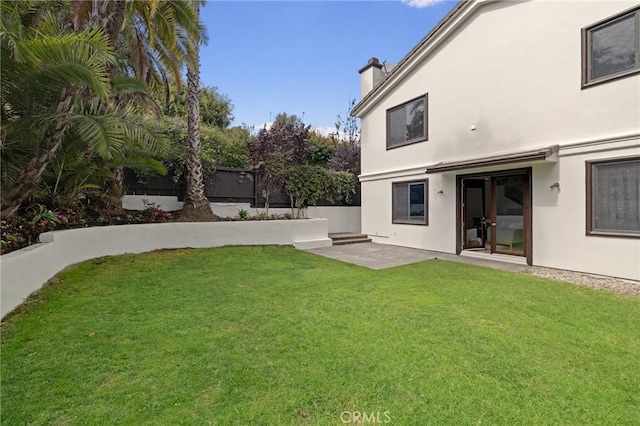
[284,118]
[324,148]
[83,72]
[284,157]
[306,184]
[46,81]
[225,147]
[216,108]
[274,151]
[196,206]
[347,137]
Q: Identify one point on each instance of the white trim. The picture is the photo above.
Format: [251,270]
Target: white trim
[597,142]
[515,259]
[602,149]
[420,54]
[417,170]
[397,173]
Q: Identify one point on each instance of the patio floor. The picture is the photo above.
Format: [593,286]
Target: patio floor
[382,256]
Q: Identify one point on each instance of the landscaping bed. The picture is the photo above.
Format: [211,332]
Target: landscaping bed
[24,230]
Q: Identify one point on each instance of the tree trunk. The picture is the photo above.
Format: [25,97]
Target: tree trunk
[196,206]
[117,192]
[109,14]
[31,174]
[292,202]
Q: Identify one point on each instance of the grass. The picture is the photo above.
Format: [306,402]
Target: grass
[271,335]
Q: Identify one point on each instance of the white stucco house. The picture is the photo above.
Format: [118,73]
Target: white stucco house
[512,129]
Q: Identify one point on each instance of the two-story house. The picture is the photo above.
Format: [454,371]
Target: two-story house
[512,129]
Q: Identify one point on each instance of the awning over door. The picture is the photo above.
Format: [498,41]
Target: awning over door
[540,154]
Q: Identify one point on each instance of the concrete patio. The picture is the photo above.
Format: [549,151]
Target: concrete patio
[382,256]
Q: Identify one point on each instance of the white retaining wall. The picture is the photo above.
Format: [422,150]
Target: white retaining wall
[341,218]
[25,271]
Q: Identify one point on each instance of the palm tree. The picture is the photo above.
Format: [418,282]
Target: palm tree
[196,206]
[152,38]
[44,80]
[80,68]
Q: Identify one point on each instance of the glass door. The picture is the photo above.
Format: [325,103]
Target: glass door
[509,214]
[474,216]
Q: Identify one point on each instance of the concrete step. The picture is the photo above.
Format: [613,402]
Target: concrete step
[345,236]
[343,242]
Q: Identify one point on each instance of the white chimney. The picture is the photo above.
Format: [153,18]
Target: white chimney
[370,76]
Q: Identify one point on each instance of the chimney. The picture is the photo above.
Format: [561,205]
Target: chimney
[370,76]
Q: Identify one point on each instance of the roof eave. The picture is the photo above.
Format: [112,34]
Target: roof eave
[431,40]
[548,154]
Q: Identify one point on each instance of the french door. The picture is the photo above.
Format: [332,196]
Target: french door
[510,210]
[494,212]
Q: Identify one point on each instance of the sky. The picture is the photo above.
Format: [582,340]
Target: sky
[303,57]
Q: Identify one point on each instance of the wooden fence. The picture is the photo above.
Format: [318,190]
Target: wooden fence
[223,184]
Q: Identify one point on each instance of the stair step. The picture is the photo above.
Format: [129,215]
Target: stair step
[346,236]
[351,241]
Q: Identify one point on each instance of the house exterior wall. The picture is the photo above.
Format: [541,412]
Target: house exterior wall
[512,70]
[559,219]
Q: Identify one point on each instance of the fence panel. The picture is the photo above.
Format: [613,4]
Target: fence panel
[224,184]
[157,185]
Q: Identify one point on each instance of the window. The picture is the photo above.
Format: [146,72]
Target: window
[410,202]
[613,197]
[611,48]
[407,123]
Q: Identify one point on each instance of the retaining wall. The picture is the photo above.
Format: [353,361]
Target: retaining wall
[25,271]
[341,218]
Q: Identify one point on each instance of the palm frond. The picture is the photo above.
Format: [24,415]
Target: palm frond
[141,164]
[125,84]
[100,128]
[61,60]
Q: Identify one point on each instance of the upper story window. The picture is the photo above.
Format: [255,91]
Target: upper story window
[611,48]
[407,123]
[613,197]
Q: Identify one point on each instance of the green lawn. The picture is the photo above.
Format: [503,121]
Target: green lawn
[271,335]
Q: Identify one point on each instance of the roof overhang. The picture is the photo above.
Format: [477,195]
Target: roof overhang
[438,34]
[542,154]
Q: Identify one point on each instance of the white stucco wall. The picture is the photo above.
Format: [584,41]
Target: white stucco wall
[377,214]
[512,70]
[559,237]
[341,218]
[24,271]
[559,221]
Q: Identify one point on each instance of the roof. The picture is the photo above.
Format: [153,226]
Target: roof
[443,24]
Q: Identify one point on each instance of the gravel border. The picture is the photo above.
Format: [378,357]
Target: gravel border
[599,282]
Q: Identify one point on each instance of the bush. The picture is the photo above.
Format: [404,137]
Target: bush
[243,214]
[23,230]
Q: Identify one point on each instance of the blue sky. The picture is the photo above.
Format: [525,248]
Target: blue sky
[303,56]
